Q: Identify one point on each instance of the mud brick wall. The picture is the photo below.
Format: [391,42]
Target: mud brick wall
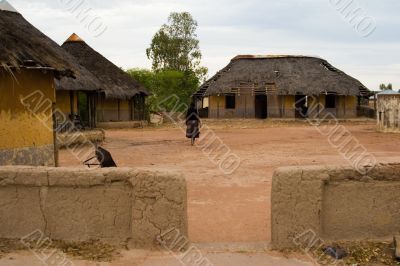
[118,206]
[334,203]
[66,140]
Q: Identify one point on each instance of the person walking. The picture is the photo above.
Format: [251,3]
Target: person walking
[192,123]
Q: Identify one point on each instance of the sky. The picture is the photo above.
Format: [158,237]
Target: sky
[360,37]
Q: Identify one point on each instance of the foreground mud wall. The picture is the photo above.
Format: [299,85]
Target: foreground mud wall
[328,204]
[118,206]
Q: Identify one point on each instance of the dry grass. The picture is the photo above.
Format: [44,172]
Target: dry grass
[363,253]
[10,245]
[92,250]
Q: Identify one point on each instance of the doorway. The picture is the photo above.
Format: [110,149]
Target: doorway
[261,106]
[301,106]
[87,109]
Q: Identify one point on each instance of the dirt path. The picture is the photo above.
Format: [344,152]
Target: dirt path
[235,207]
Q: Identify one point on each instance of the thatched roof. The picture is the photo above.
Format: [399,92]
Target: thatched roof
[24,46]
[283,75]
[83,81]
[115,82]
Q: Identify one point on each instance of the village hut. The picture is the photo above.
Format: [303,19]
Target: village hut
[76,98]
[29,64]
[122,98]
[388,111]
[280,87]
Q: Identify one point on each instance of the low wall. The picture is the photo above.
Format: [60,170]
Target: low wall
[121,125]
[65,140]
[118,206]
[334,204]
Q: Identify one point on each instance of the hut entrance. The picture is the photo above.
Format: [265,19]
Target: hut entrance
[261,106]
[87,109]
[301,106]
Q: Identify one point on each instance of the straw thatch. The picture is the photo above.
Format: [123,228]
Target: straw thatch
[24,46]
[286,75]
[84,81]
[115,82]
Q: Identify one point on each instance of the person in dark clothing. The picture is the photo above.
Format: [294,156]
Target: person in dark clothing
[192,123]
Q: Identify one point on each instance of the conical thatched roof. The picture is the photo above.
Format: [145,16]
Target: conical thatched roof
[24,46]
[84,81]
[115,82]
[288,75]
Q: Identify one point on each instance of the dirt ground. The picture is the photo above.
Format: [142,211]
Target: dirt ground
[236,207]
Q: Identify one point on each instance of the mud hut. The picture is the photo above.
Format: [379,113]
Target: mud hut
[68,92]
[29,64]
[122,98]
[280,87]
[388,111]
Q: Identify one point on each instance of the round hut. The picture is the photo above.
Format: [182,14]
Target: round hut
[30,62]
[121,98]
[388,111]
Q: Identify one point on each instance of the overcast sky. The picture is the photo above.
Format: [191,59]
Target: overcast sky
[231,27]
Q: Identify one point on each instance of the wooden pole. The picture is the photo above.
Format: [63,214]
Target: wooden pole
[245,106]
[218,106]
[119,111]
[71,102]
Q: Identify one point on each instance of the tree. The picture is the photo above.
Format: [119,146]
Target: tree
[384,87]
[163,84]
[176,47]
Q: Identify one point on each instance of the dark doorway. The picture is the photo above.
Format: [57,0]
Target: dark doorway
[87,109]
[261,106]
[83,108]
[301,106]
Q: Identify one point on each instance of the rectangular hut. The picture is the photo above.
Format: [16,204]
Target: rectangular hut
[280,87]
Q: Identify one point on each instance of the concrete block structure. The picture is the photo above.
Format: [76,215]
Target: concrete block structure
[388,111]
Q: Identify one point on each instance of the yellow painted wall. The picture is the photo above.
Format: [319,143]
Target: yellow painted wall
[289,105]
[244,107]
[107,110]
[346,107]
[63,102]
[124,105]
[31,125]
[124,111]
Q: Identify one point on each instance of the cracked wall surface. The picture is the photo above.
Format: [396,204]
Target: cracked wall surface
[119,206]
[36,156]
[388,113]
[334,203]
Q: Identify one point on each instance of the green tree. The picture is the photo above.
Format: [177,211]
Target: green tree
[384,87]
[163,84]
[176,47]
